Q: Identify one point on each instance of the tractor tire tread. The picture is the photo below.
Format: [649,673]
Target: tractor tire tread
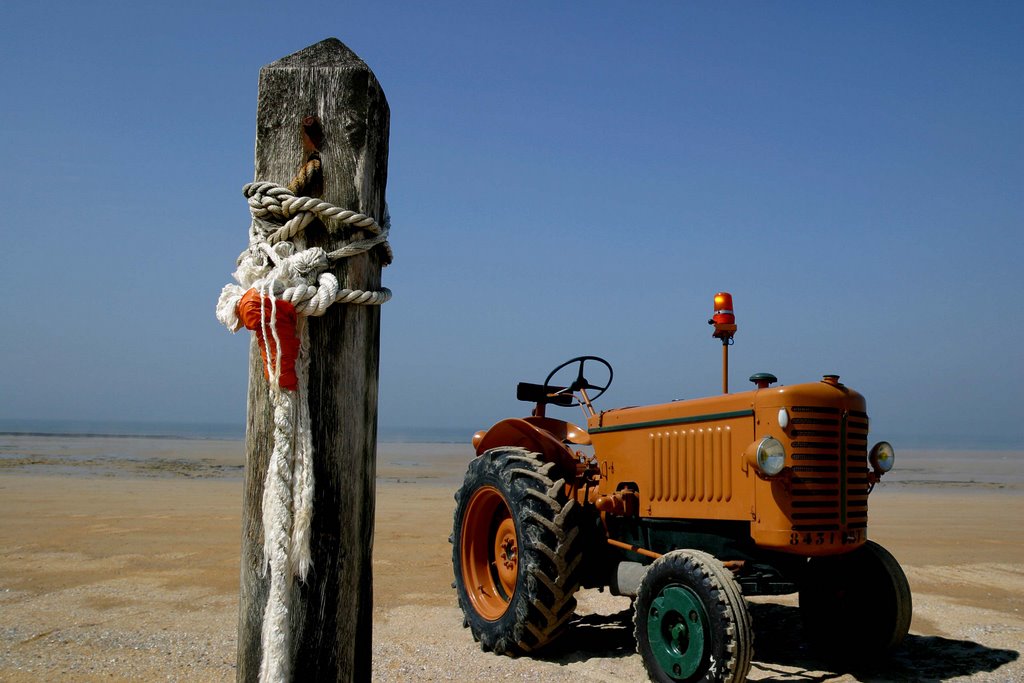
[550,551]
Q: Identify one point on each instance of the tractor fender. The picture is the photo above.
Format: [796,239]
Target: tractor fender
[520,432]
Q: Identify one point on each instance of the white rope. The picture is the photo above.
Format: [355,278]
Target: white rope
[277,534]
[270,200]
[277,265]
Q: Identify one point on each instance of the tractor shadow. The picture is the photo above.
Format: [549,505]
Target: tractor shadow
[780,650]
[593,636]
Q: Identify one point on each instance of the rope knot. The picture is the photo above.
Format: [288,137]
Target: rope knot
[305,265]
[253,265]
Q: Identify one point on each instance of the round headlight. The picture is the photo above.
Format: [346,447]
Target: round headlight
[882,456]
[771,456]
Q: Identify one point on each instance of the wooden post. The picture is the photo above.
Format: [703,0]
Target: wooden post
[331,617]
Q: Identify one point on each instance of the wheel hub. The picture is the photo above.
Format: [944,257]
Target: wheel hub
[506,555]
[677,628]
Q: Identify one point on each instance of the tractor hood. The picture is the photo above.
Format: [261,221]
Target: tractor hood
[828,392]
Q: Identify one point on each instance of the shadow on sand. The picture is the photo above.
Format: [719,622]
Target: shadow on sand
[593,636]
[781,652]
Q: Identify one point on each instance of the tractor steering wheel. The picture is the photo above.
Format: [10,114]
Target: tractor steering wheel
[580,382]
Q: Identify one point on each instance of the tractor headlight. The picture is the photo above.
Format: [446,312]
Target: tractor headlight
[771,456]
[882,457]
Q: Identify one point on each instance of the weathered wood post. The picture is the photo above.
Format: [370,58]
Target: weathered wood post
[331,615]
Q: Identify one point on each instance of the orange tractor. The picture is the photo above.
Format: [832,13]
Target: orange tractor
[686,507]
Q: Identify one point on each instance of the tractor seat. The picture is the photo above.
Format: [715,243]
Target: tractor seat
[538,393]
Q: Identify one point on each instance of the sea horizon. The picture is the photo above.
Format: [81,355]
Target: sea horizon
[218,431]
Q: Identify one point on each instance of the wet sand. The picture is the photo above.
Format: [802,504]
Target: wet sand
[119,562]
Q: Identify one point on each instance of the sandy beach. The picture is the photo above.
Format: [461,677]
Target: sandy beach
[119,562]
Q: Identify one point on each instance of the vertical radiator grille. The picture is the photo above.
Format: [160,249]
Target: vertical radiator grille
[830,471]
[691,465]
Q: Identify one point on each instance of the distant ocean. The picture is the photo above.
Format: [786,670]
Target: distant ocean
[209,430]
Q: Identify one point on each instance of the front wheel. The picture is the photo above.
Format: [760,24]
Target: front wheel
[691,621]
[857,602]
[517,551]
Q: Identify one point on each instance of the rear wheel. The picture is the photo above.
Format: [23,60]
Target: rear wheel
[856,602]
[691,621]
[516,553]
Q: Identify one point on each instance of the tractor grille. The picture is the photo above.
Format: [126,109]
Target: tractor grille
[830,470]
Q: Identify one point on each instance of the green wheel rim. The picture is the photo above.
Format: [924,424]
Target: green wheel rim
[677,629]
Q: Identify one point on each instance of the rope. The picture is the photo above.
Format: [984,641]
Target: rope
[270,200]
[309,173]
[279,267]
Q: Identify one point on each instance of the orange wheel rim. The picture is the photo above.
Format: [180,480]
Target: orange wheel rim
[489,550]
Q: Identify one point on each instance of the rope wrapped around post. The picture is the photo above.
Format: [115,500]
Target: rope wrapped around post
[280,283]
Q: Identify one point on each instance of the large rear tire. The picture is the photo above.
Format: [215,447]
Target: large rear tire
[855,603]
[692,623]
[516,551]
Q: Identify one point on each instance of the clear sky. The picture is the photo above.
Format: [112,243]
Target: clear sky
[565,179]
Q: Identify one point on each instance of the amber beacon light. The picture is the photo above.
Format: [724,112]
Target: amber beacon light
[724,320]
[723,310]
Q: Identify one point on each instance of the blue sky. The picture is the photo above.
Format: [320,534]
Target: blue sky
[564,180]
